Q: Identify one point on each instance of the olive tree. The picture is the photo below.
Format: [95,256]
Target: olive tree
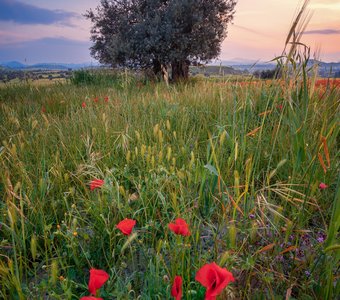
[159,34]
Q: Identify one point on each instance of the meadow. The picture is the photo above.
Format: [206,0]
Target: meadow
[251,166]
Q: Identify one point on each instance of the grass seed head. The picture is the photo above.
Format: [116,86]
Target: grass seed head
[128,156]
[168,125]
[168,154]
[34,246]
[232,235]
[54,272]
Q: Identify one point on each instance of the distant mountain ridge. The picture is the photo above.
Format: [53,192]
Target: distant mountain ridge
[15,65]
[326,69]
[240,61]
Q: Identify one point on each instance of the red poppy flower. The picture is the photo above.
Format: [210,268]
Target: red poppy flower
[176,290]
[43,109]
[95,100]
[180,227]
[97,279]
[126,226]
[106,99]
[214,279]
[83,104]
[96,183]
[323,186]
[279,106]
[90,298]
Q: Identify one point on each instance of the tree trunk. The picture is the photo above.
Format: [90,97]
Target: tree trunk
[180,70]
[157,68]
[165,74]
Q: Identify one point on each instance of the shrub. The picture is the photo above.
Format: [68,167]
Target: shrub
[80,77]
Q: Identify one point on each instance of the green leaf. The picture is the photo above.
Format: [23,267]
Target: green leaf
[211,168]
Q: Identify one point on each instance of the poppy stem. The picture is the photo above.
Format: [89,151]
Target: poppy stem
[132,258]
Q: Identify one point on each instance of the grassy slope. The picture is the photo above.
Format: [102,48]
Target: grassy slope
[239,162]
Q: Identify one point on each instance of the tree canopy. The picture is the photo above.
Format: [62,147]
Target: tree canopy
[158,34]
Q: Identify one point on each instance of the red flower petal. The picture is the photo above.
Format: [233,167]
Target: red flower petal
[96,183]
[279,106]
[97,279]
[174,228]
[90,298]
[176,290]
[83,104]
[323,186]
[179,227]
[214,279]
[126,226]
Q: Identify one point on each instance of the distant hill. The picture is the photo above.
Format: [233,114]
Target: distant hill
[326,69]
[15,65]
[12,65]
[248,66]
[235,67]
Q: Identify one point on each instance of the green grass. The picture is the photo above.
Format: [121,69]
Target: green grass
[239,162]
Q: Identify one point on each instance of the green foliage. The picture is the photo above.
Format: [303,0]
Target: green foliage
[99,78]
[83,77]
[155,34]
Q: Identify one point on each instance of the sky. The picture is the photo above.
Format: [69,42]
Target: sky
[33,31]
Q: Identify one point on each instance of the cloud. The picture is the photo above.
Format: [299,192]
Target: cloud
[21,13]
[323,31]
[47,50]
[49,41]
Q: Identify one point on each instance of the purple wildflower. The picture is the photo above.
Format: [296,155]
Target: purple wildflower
[321,237]
[280,258]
